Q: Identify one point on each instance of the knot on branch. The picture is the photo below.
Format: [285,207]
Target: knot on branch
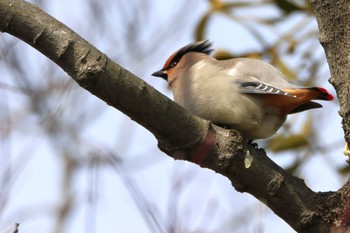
[275,184]
[308,217]
[88,68]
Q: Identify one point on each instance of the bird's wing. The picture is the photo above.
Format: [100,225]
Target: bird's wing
[253,86]
[288,101]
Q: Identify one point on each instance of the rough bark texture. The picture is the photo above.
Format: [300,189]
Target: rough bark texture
[180,134]
[333,18]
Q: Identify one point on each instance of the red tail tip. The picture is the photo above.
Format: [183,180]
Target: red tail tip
[327,94]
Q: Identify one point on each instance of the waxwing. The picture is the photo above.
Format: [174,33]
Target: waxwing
[245,94]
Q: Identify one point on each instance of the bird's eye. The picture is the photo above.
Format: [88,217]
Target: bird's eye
[173,64]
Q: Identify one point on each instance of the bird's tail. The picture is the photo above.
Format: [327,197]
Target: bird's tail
[311,93]
[301,99]
[320,93]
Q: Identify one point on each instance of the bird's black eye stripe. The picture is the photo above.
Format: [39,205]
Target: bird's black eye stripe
[200,47]
[173,63]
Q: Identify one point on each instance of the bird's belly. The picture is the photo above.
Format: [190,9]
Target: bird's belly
[248,116]
[238,111]
[266,128]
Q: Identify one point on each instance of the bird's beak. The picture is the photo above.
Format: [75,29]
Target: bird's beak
[161,73]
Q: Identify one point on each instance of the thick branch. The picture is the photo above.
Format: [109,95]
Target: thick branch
[95,72]
[333,17]
[180,135]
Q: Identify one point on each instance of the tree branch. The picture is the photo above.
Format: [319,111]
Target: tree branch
[180,134]
[333,18]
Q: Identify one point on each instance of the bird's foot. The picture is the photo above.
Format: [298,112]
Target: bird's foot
[253,144]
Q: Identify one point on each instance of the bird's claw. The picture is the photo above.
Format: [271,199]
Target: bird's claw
[253,144]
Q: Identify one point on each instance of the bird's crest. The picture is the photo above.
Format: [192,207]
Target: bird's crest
[200,47]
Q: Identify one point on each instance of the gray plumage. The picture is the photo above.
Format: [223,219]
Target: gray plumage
[231,92]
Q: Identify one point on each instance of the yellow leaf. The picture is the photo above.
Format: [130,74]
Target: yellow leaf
[200,28]
[283,143]
[223,55]
[290,75]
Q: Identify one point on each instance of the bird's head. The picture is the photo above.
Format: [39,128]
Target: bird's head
[171,68]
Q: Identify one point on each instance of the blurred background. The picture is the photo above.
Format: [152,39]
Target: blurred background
[71,163]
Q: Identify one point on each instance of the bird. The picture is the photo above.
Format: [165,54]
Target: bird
[245,94]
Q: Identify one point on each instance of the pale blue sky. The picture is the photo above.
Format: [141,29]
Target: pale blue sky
[206,200]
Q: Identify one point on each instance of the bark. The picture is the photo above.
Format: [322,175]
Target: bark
[180,134]
[333,18]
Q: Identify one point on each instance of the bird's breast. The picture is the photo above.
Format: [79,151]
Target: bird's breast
[209,95]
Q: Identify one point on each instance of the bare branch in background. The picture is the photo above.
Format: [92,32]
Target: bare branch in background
[44,104]
[55,111]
